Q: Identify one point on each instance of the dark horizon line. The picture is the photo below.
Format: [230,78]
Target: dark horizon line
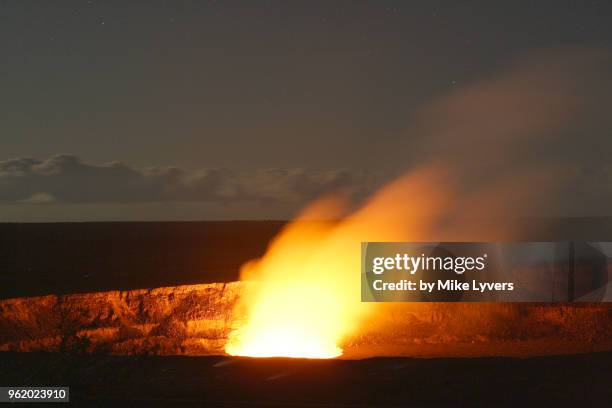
[543,217]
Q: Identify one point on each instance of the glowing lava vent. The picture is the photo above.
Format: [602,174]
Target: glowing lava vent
[305,300]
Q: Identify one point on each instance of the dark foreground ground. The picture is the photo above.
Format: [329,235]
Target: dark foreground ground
[97,380]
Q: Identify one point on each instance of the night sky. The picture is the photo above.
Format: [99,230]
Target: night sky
[189,101]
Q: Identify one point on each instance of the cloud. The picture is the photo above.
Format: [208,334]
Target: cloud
[67,179]
[39,198]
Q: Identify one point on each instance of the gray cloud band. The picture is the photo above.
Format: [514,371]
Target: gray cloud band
[67,179]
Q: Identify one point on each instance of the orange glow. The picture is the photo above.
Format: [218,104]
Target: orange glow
[306,299]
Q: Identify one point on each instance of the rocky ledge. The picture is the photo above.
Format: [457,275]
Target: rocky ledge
[196,320]
[189,319]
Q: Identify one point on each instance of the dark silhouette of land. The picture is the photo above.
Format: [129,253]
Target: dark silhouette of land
[59,258]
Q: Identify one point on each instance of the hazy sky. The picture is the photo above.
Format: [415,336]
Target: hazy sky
[318,91]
